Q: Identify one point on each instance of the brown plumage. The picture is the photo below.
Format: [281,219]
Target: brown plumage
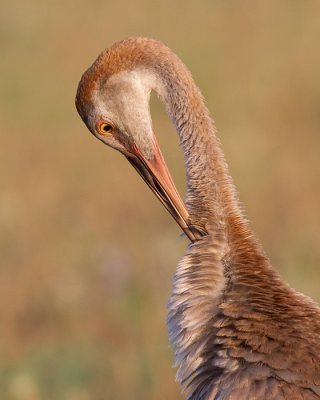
[238,331]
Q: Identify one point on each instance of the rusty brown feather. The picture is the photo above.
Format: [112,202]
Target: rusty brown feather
[238,331]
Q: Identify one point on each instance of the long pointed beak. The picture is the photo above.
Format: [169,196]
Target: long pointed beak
[157,176]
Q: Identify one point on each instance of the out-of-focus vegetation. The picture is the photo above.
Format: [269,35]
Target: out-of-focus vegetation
[87,253]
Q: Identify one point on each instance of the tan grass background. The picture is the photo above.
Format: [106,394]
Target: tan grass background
[87,253]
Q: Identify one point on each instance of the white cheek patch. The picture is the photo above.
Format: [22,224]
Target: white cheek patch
[124,100]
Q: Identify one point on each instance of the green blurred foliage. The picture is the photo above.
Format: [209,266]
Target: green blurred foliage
[87,253]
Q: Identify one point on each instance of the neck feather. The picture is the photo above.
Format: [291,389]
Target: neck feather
[211,199]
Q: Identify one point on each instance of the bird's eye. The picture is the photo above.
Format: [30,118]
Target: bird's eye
[106,128]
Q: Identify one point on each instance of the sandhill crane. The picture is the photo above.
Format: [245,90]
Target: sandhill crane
[238,331]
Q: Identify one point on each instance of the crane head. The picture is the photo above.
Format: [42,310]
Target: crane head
[115,107]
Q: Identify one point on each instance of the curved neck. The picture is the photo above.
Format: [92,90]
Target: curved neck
[211,200]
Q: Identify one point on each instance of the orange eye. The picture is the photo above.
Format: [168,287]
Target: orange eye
[106,128]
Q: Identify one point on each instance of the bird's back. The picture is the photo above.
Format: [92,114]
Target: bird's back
[244,334]
[265,340]
[258,383]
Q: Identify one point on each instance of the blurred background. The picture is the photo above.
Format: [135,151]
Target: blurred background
[87,252]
